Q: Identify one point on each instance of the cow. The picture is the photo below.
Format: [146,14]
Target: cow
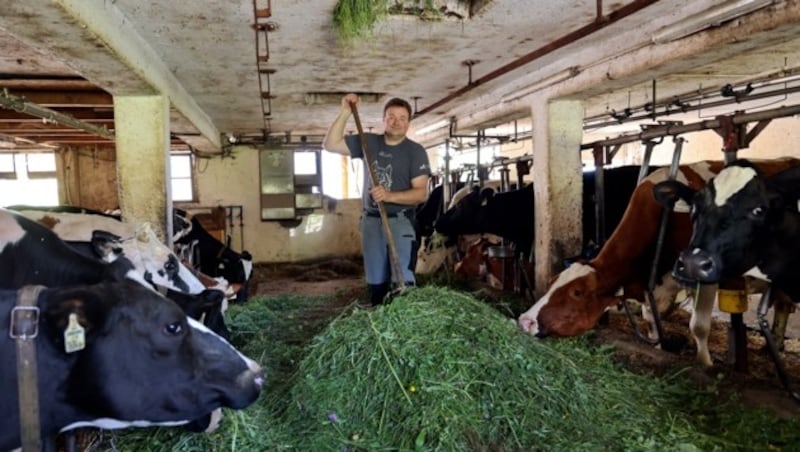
[202,303]
[428,212]
[581,294]
[217,259]
[138,243]
[436,248]
[510,214]
[743,223]
[30,253]
[143,363]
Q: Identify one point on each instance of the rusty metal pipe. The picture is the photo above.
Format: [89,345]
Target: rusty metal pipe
[598,24]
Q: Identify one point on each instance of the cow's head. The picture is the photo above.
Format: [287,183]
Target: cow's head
[467,216]
[571,306]
[181,224]
[734,217]
[144,359]
[236,268]
[159,264]
[207,307]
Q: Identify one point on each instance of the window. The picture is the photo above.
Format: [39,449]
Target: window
[8,168]
[290,183]
[342,177]
[28,179]
[181,180]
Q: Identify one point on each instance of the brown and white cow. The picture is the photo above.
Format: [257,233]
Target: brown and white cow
[583,292]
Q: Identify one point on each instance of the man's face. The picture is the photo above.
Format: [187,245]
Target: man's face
[395,122]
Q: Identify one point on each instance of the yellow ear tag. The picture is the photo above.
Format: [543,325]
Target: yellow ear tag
[74,337]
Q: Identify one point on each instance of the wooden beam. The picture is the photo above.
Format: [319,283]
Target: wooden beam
[47,84]
[44,133]
[73,140]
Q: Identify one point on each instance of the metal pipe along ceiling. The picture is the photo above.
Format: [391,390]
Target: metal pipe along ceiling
[678,129]
[22,105]
[599,23]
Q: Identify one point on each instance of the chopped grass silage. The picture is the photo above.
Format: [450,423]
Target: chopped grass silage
[439,370]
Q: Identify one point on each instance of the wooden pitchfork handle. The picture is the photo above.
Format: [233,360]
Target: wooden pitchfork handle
[387,230]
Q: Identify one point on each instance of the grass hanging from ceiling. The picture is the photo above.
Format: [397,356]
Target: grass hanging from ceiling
[355,18]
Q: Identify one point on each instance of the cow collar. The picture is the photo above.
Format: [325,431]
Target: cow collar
[24,328]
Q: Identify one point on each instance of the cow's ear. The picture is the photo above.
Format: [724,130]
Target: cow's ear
[669,192]
[106,246]
[787,183]
[57,314]
[486,194]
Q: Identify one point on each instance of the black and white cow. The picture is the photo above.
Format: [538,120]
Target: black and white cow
[744,223]
[435,248]
[138,243]
[30,253]
[428,212]
[144,363]
[43,258]
[215,258]
[510,214]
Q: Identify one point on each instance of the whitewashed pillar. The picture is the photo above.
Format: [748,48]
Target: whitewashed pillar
[558,184]
[142,142]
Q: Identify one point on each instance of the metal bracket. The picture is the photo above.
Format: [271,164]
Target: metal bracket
[24,323]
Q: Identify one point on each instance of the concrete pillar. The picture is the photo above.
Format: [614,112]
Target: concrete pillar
[558,185]
[142,139]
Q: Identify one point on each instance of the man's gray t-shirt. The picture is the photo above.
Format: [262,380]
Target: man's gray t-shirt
[394,166]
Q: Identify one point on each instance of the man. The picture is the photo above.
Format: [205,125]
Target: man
[402,169]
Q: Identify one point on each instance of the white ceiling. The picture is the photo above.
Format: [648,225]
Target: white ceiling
[202,55]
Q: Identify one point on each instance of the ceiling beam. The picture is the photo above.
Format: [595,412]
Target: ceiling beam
[113,29]
[103,46]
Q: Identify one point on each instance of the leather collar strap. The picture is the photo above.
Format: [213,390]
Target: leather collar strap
[24,329]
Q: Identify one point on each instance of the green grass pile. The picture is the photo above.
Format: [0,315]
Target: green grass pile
[439,370]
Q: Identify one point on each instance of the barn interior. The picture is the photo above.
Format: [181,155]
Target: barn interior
[220,107]
[142,106]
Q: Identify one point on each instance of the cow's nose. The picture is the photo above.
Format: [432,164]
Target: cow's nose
[258,379]
[697,265]
[529,326]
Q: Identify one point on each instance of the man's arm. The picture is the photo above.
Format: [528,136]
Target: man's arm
[334,138]
[417,194]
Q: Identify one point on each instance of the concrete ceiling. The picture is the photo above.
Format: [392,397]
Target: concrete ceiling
[73,56]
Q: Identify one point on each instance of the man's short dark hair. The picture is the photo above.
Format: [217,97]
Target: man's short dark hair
[397,102]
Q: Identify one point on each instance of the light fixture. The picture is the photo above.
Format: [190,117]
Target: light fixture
[711,17]
[433,126]
[540,84]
